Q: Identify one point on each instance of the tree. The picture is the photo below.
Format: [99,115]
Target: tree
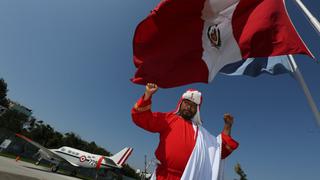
[128,171]
[73,140]
[44,134]
[55,141]
[3,93]
[13,120]
[240,172]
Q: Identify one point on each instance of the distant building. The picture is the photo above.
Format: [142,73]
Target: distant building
[20,108]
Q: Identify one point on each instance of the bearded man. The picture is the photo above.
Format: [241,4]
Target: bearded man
[186,150]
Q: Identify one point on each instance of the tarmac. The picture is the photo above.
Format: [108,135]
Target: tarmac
[20,170]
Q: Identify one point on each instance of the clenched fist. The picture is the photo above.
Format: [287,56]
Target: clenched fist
[151,88]
[228,119]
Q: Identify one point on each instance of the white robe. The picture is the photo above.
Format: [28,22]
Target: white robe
[205,161]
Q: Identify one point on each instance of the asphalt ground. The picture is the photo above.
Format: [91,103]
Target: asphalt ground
[20,170]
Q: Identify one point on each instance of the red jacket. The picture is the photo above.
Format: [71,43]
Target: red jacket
[177,138]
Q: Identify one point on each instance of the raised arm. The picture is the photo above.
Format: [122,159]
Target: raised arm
[228,144]
[228,121]
[142,115]
[150,90]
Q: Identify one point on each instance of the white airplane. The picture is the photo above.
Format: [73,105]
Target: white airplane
[79,158]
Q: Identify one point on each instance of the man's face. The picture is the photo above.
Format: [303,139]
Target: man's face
[187,109]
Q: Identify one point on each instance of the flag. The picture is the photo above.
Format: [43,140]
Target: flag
[256,66]
[187,41]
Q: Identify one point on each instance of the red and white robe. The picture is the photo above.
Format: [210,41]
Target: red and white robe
[177,139]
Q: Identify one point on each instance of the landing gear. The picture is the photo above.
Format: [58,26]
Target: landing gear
[54,168]
[97,175]
[39,159]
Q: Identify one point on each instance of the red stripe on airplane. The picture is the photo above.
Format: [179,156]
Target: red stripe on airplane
[123,156]
[127,157]
[23,137]
[99,162]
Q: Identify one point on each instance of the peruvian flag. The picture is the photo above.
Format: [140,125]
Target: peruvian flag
[188,41]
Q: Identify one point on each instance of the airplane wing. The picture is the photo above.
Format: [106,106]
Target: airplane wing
[73,164]
[49,154]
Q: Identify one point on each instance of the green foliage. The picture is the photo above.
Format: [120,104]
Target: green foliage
[128,171]
[13,120]
[240,172]
[55,140]
[3,94]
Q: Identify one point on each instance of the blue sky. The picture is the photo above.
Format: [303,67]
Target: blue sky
[70,61]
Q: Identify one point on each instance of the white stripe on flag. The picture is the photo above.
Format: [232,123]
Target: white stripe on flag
[242,68]
[216,57]
[256,66]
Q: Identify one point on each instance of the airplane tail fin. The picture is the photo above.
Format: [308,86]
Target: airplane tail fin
[121,157]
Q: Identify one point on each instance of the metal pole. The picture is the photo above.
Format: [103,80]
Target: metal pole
[298,76]
[314,22]
[145,167]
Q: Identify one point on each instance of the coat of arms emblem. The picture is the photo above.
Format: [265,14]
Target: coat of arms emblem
[214,36]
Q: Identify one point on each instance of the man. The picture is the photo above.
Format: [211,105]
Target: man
[184,145]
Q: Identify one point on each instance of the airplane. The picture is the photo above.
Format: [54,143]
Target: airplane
[78,158]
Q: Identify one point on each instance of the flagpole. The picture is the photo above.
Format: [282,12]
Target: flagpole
[315,23]
[298,76]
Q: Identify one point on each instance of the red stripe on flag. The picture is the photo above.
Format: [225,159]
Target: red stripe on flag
[262,28]
[167,45]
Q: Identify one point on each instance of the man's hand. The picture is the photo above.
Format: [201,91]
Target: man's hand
[151,88]
[228,119]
